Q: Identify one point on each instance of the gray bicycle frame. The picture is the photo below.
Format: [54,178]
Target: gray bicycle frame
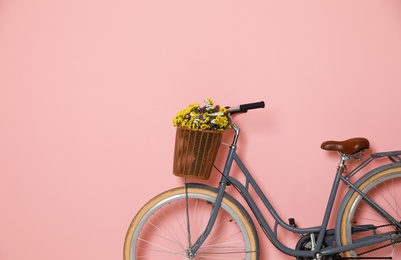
[321,230]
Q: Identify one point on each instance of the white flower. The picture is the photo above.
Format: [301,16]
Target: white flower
[216,114]
[208,104]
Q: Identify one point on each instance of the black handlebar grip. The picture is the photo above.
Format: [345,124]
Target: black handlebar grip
[246,107]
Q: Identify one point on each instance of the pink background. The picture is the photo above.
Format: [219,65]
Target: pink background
[88,90]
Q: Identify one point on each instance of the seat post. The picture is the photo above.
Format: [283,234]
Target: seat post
[342,165]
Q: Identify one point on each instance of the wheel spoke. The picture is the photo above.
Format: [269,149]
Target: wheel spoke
[171,222]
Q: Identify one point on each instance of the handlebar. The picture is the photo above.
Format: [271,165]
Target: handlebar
[245,107]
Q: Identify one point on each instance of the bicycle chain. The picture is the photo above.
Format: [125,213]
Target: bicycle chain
[378,248]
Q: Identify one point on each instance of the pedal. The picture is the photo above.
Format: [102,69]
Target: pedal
[291,221]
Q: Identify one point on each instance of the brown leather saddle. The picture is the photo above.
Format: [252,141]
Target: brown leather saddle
[349,147]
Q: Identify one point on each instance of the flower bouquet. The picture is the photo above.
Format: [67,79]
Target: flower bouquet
[198,137]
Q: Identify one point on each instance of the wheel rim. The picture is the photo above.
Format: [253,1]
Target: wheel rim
[229,236]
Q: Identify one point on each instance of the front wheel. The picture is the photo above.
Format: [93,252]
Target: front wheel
[160,230]
[359,220]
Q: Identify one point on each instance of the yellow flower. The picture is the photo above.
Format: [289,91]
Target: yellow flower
[208,117]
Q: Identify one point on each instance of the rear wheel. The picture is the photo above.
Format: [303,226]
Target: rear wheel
[360,221]
[160,229]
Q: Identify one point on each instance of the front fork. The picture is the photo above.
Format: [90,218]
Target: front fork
[192,249]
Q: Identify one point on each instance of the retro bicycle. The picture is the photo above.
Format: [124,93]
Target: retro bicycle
[199,221]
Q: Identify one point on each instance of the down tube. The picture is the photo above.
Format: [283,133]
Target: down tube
[270,208]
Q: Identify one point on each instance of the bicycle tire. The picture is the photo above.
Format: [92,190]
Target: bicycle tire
[382,185]
[151,235]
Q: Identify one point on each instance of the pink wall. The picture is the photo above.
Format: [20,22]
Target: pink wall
[88,90]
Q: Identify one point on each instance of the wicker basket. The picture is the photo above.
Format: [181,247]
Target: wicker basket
[195,152]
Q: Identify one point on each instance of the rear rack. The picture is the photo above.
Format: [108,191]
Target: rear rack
[393,156]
